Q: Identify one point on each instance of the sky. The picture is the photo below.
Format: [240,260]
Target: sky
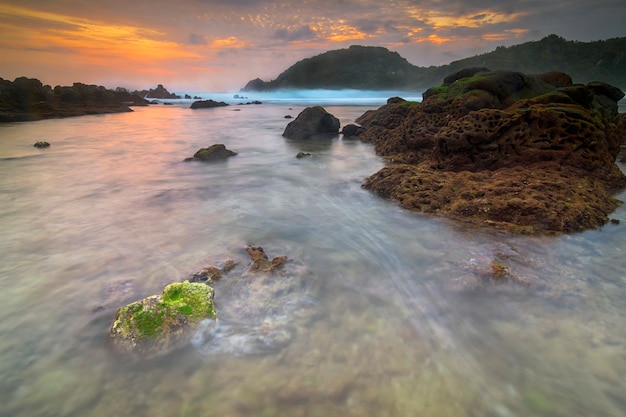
[219,45]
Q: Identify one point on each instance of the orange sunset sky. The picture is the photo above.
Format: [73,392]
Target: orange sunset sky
[219,45]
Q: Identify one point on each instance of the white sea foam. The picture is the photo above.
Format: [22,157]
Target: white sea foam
[304,97]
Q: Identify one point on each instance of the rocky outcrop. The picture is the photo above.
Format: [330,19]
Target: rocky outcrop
[207,104]
[312,122]
[27,99]
[161,323]
[527,153]
[160,93]
[215,152]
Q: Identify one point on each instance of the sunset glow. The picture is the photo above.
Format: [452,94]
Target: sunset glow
[160,42]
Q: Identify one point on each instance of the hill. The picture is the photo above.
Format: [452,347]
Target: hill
[358,67]
[603,60]
[376,68]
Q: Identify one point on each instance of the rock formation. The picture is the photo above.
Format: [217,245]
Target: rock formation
[311,122]
[161,323]
[527,153]
[215,152]
[27,99]
[159,92]
[207,104]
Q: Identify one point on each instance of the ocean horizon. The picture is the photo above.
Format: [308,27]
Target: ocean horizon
[298,97]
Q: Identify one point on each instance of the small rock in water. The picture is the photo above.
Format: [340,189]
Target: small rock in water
[41,144]
[215,152]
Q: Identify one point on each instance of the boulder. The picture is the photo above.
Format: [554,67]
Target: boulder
[215,152]
[312,122]
[161,323]
[207,104]
[351,130]
[526,153]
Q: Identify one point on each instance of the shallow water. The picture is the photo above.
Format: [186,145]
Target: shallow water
[384,313]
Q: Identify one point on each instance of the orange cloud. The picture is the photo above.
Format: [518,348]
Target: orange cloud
[494,37]
[341,32]
[475,20]
[92,41]
[230,42]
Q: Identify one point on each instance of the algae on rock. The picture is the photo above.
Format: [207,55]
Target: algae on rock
[161,323]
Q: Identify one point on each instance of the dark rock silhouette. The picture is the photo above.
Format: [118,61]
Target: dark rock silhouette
[207,104]
[311,122]
[160,92]
[27,99]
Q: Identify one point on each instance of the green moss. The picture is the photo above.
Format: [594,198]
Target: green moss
[149,323]
[192,299]
[181,303]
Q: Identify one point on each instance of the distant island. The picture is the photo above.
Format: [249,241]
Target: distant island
[376,68]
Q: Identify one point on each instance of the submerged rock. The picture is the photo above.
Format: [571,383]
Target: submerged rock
[211,274]
[261,262]
[526,153]
[311,122]
[160,323]
[262,306]
[215,152]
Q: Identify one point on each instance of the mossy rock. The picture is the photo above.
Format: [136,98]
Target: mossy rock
[215,152]
[160,323]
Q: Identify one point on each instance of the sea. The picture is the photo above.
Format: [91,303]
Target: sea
[379,311]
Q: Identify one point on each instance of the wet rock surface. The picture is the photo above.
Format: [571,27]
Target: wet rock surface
[312,122]
[524,153]
[161,323]
[217,152]
[260,305]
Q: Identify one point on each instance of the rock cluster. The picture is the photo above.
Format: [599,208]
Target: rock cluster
[27,99]
[159,92]
[527,153]
[265,296]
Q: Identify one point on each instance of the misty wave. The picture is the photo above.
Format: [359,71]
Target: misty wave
[306,97]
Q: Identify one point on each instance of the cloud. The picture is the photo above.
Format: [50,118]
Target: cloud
[302,33]
[195,39]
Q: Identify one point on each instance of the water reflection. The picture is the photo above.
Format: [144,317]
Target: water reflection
[393,319]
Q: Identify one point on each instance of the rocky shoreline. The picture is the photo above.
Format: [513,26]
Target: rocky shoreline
[529,154]
[27,99]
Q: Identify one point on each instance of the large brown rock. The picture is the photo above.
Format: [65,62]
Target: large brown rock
[311,122]
[528,153]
